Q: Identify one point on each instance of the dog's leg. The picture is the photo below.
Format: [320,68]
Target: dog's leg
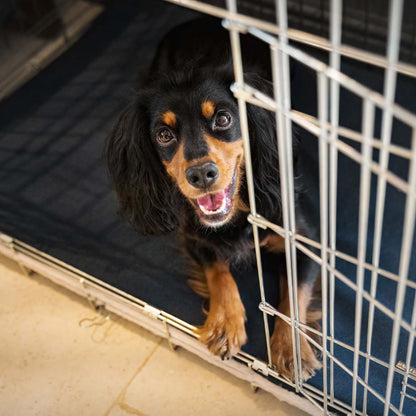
[281,341]
[224,330]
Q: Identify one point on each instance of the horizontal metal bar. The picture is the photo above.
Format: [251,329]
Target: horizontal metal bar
[346,149]
[409,396]
[358,137]
[313,401]
[345,81]
[364,384]
[303,327]
[263,223]
[317,394]
[297,36]
[258,98]
[344,279]
[409,386]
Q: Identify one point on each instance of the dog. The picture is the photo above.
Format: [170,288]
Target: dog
[176,159]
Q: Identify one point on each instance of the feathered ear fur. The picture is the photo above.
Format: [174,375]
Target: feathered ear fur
[264,153]
[145,192]
[265,160]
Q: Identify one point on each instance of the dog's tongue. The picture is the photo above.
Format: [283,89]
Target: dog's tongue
[211,202]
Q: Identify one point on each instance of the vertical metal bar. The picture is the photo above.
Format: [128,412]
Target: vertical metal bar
[239,77]
[281,74]
[408,230]
[283,168]
[323,201]
[408,355]
[393,47]
[368,130]
[334,62]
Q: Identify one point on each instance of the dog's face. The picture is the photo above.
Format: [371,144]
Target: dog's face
[197,135]
[181,137]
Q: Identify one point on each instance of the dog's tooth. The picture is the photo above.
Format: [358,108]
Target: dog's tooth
[220,210]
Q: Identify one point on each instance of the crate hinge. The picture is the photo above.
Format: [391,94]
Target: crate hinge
[260,367]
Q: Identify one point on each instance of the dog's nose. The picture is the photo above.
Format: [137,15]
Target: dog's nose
[202,176]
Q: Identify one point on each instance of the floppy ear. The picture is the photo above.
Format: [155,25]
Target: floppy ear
[265,158]
[145,192]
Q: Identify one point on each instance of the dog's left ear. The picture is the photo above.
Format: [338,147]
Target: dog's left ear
[263,144]
[147,197]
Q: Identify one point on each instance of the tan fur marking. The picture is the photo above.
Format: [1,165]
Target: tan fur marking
[227,156]
[281,340]
[224,330]
[274,243]
[169,118]
[304,298]
[175,168]
[208,109]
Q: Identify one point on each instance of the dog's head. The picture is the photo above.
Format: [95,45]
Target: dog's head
[180,142]
[196,134]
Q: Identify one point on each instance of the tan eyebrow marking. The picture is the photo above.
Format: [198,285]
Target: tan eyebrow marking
[169,118]
[208,108]
[176,165]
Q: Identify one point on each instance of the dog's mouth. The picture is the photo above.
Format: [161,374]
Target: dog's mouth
[214,209]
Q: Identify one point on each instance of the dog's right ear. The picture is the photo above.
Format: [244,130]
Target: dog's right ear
[147,197]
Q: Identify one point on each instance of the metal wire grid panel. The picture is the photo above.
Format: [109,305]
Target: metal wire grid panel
[364,22]
[331,139]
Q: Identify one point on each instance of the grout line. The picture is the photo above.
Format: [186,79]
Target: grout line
[119,401]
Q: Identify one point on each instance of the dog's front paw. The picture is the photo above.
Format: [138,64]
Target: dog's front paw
[224,331]
[282,352]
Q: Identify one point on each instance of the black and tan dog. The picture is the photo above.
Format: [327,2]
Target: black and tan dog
[176,160]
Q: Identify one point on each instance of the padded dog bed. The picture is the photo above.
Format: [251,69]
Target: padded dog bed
[56,197]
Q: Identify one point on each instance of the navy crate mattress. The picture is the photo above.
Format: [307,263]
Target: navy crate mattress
[56,197]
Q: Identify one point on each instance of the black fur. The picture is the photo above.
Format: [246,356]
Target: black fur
[148,197]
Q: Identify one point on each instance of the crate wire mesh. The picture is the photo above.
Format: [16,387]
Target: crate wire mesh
[329,133]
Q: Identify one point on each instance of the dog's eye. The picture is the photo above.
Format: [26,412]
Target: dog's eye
[165,136]
[223,120]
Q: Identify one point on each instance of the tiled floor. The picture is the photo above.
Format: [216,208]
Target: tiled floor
[49,365]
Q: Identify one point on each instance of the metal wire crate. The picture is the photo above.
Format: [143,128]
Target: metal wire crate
[287,27]
[376,34]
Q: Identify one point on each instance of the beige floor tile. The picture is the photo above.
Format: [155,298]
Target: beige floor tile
[51,366]
[179,383]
